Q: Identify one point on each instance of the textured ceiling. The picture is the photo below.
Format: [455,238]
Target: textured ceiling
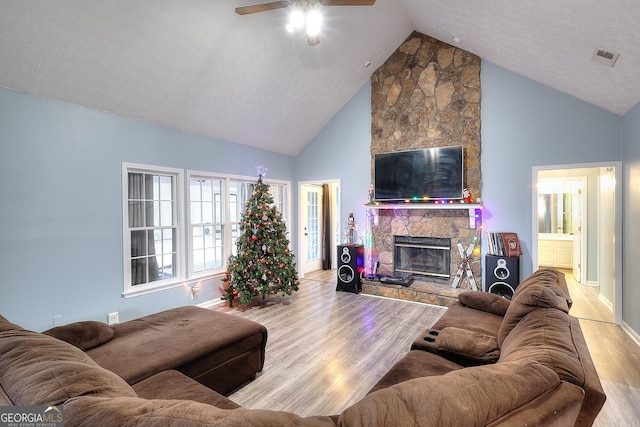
[195,65]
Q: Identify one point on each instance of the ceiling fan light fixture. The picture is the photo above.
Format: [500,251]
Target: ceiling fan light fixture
[305,15]
[296,20]
[313,22]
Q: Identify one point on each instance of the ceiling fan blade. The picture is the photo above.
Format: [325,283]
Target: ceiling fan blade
[347,2]
[257,8]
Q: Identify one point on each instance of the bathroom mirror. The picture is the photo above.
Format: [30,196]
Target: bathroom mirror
[554,212]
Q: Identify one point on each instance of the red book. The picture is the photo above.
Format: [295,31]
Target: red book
[511,244]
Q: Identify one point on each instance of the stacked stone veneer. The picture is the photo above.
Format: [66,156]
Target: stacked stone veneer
[427,94]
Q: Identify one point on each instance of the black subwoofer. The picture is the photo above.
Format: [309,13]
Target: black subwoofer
[350,268]
[501,275]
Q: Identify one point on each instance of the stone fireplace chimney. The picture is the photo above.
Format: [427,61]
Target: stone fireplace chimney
[427,94]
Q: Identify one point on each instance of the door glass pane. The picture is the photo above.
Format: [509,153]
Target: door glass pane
[313,249]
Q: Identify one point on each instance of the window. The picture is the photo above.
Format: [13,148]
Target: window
[152,233]
[154,248]
[216,205]
[207,225]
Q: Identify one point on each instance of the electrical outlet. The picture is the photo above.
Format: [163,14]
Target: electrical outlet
[57,320]
[113,318]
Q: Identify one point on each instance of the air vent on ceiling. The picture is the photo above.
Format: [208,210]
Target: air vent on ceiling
[606,58]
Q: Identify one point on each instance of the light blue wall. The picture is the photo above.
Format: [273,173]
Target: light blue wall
[55,156]
[527,124]
[524,124]
[341,150]
[631,213]
[60,215]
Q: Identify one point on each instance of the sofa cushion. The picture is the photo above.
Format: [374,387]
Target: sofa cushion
[475,346]
[551,277]
[472,396]
[484,301]
[39,370]
[84,335]
[416,363]
[172,384]
[539,290]
[460,316]
[5,325]
[120,411]
[546,335]
[4,399]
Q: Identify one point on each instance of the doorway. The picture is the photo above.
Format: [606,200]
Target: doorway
[318,225]
[578,230]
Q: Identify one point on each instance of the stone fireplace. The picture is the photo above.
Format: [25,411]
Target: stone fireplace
[427,94]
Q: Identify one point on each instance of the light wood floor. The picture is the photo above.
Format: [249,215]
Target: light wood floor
[587,305]
[326,349]
[615,354]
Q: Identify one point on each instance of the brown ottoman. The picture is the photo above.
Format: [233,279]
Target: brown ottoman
[219,350]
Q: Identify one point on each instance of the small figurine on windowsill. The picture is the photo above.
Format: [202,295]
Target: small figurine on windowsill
[466,195]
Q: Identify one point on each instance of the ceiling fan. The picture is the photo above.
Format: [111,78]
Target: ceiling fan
[305,14]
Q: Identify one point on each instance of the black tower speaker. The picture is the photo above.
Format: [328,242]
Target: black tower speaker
[350,268]
[502,275]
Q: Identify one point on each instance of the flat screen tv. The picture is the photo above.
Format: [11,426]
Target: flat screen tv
[419,175]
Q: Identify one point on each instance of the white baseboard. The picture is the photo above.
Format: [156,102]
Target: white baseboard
[210,303]
[633,334]
[606,302]
[592,283]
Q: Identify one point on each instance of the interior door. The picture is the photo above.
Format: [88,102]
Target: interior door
[576,230]
[312,227]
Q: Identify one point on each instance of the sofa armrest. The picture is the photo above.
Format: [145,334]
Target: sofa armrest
[472,345]
[484,301]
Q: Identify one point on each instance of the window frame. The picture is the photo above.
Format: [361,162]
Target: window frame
[192,175]
[129,289]
[226,215]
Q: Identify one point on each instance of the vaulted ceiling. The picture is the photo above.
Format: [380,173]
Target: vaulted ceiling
[197,66]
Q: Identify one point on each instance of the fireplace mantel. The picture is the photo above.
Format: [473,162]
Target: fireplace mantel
[471,207]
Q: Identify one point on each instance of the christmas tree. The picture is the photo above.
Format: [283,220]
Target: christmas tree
[264,265]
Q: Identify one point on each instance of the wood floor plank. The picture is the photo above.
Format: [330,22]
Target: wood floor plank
[326,349]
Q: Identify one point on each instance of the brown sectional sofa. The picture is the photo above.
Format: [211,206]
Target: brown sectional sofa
[483,328]
[525,364]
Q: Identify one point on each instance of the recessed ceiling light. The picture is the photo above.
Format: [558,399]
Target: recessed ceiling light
[367,64]
[457,39]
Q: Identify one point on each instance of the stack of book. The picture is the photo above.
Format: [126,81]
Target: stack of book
[504,244]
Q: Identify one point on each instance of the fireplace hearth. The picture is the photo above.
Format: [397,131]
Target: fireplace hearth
[422,256]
